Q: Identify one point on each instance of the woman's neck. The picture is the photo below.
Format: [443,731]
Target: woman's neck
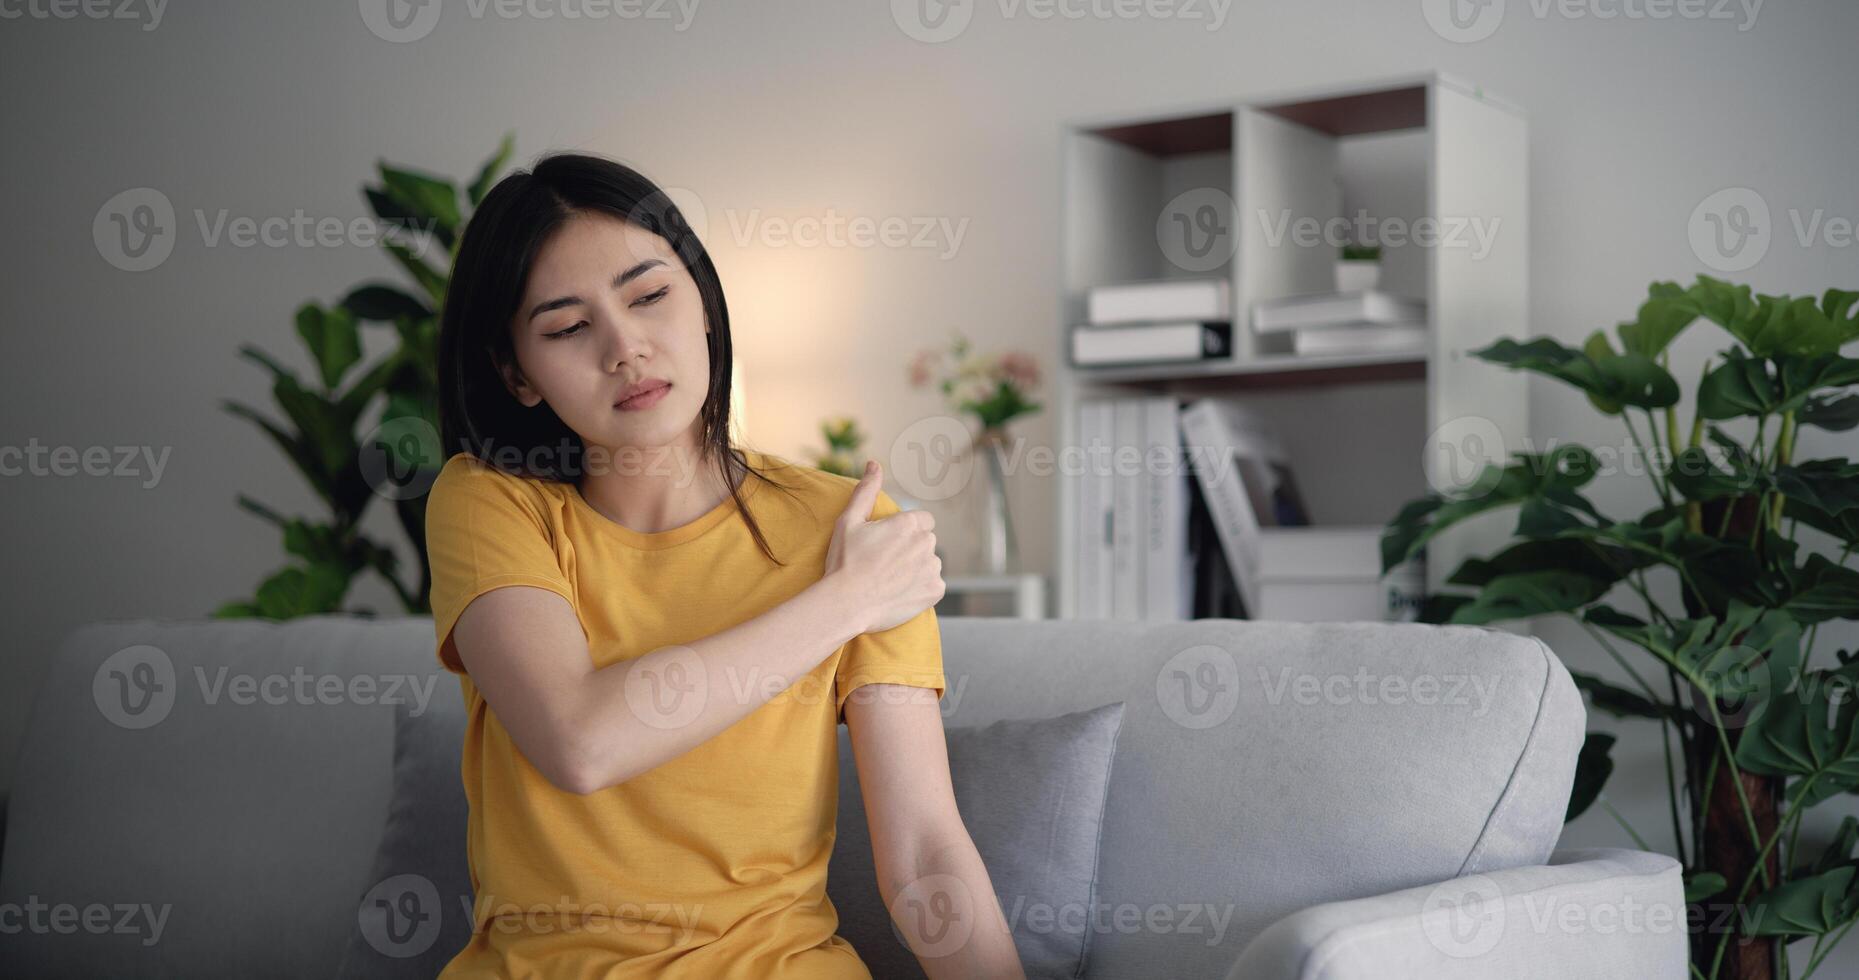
[655,489]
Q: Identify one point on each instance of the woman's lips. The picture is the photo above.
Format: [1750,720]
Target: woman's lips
[643,400]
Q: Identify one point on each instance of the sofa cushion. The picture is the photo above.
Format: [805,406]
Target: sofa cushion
[1032,796]
[416,914]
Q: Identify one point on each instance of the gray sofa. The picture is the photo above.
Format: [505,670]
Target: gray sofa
[1344,800]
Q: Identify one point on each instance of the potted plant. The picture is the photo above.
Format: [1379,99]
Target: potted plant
[1757,726]
[397,457]
[843,439]
[1358,268]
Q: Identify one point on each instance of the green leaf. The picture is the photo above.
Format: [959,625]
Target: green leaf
[1770,325]
[487,174]
[1533,593]
[1845,527]
[1702,885]
[428,278]
[383,303]
[1697,477]
[1739,386]
[1626,379]
[1735,659]
[432,202]
[1668,310]
[1598,349]
[303,591]
[1823,591]
[1592,767]
[1618,701]
[1830,413]
[332,339]
[308,462]
[1802,734]
[1559,471]
[1829,485]
[1811,906]
[1595,560]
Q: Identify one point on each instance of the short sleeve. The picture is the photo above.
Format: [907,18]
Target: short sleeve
[485,529]
[909,653]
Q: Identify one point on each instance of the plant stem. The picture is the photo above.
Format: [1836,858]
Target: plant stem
[1784,451]
[1762,864]
[1736,782]
[1622,821]
[1622,661]
[1671,778]
[1651,471]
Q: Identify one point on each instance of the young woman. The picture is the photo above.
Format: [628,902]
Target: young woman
[657,632]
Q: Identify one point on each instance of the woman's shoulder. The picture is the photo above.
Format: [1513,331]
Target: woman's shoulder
[466,476]
[824,491]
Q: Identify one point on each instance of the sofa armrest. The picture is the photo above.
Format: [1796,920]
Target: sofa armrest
[1588,913]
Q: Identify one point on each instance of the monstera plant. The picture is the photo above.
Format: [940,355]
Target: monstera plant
[1757,726]
[322,433]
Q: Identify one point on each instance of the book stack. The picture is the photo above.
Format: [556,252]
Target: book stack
[1154,322]
[1359,322]
[1192,512]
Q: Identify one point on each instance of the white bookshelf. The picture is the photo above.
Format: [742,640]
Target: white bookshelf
[1357,425]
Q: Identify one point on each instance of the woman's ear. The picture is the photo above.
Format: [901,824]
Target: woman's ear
[514,383]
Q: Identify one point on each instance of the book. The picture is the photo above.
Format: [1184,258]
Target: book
[1150,343]
[1360,338]
[1331,309]
[1211,443]
[1126,516]
[1216,595]
[1264,467]
[1159,299]
[1096,430]
[1168,573]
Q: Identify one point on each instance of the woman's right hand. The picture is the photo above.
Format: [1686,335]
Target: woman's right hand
[888,566]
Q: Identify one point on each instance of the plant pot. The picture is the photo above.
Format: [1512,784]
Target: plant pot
[1355,275]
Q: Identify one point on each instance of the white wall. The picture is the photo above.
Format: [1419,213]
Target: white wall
[792,109]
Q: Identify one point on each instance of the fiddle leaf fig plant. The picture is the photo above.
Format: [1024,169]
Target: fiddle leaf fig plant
[1757,725]
[320,433]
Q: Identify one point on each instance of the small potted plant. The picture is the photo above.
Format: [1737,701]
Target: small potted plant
[843,439]
[1358,268]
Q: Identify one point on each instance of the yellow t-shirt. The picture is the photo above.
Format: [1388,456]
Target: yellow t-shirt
[712,865]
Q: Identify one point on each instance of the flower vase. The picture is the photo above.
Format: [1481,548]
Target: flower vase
[999,555]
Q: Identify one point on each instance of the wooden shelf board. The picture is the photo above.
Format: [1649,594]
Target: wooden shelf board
[1368,112]
[1173,137]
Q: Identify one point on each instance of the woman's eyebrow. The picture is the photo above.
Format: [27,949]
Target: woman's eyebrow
[620,280]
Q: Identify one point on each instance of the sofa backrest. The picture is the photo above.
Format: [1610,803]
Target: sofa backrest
[1264,767]
[1261,768]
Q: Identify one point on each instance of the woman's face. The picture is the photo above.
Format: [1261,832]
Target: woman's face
[610,305]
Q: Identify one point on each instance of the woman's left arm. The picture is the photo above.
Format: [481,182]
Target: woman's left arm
[929,874]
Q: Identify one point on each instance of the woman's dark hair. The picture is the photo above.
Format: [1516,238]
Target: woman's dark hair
[477,413]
